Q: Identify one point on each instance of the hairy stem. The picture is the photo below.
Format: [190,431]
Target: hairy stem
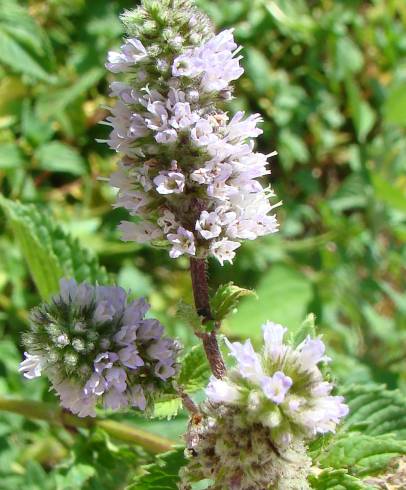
[198,271]
[55,415]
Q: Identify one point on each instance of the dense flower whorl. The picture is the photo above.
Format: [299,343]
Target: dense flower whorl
[96,348]
[254,426]
[223,449]
[282,388]
[188,170]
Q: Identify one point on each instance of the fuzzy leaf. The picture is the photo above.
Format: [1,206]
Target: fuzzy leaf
[195,371]
[167,409]
[226,300]
[163,474]
[380,415]
[194,376]
[376,411]
[188,314]
[49,252]
[308,327]
[361,454]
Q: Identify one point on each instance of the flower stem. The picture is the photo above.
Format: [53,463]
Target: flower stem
[55,415]
[198,271]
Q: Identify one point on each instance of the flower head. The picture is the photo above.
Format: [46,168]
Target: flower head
[183,156]
[291,394]
[97,349]
[257,420]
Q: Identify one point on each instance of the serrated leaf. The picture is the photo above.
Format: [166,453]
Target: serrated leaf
[163,474]
[166,409]
[50,253]
[188,314]
[59,157]
[377,410]
[362,454]
[18,59]
[194,375]
[195,371]
[17,20]
[307,328]
[372,435]
[226,300]
[337,480]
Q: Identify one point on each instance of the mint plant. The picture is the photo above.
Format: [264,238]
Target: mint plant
[189,177]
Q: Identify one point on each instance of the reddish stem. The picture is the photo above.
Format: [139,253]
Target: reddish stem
[198,271]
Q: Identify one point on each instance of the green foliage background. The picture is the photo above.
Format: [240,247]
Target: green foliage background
[329,77]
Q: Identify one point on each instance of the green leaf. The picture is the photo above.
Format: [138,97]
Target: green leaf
[195,371]
[34,128]
[337,480]
[389,193]
[76,477]
[226,300]
[362,454]
[11,157]
[163,474]
[17,20]
[49,252]
[372,435]
[188,314]
[18,59]
[59,157]
[349,58]
[307,328]
[351,194]
[167,409]
[283,297]
[292,149]
[376,410]
[259,70]
[194,376]
[361,112]
[395,106]
[57,100]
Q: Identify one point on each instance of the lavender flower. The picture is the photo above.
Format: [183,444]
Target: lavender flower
[98,349]
[182,155]
[257,420]
[282,388]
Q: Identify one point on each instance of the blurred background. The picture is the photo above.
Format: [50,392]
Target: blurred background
[329,78]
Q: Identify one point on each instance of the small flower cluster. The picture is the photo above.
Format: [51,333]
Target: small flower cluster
[257,419]
[96,348]
[283,388]
[189,171]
